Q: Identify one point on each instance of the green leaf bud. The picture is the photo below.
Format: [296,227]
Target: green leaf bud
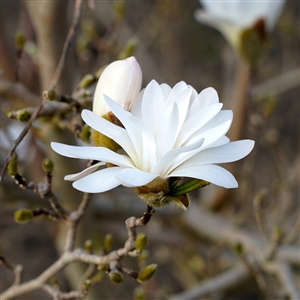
[129,48]
[13,165]
[50,95]
[238,248]
[141,241]
[103,268]
[108,241]
[143,256]
[88,246]
[119,10]
[23,115]
[147,273]
[87,81]
[139,293]
[20,40]
[115,277]
[23,215]
[188,187]
[47,165]
[87,284]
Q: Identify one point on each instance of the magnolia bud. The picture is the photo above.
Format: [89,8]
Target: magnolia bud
[121,81]
[147,273]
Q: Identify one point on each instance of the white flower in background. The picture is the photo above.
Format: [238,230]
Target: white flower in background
[170,133]
[121,81]
[231,18]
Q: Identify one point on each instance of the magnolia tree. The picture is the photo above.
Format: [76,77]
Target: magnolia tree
[163,143]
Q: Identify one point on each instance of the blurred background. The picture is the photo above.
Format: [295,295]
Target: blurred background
[170,46]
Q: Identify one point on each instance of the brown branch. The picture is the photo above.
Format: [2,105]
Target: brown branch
[76,16]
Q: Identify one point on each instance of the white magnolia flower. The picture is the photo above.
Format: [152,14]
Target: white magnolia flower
[170,133]
[121,81]
[232,17]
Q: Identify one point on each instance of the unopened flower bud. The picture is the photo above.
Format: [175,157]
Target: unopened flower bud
[50,95]
[129,48]
[141,241]
[23,115]
[115,277]
[147,273]
[13,165]
[87,81]
[23,215]
[20,40]
[121,81]
[108,241]
[48,165]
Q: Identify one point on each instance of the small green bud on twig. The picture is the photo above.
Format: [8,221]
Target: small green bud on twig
[139,293]
[108,242]
[50,95]
[87,81]
[141,241]
[23,115]
[238,248]
[88,246]
[147,273]
[143,256]
[87,284]
[115,277]
[20,40]
[47,165]
[119,10]
[23,215]
[13,165]
[103,268]
[129,49]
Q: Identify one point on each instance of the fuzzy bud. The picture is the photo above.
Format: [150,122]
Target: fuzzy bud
[141,241]
[115,277]
[50,95]
[147,273]
[47,165]
[23,215]
[87,81]
[13,165]
[108,241]
[23,115]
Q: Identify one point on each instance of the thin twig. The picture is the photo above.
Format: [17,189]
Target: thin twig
[55,78]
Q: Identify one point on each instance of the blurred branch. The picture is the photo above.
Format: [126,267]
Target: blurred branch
[68,257]
[223,282]
[277,85]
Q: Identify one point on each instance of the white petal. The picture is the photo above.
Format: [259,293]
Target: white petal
[98,182]
[168,128]
[206,97]
[175,157]
[153,104]
[95,153]
[211,173]
[227,153]
[87,171]
[134,177]
[198,120]
[116,133]
[178,87]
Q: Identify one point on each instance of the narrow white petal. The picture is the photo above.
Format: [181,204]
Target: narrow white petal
[99,181]
[153,104]
[95,153]
[134,177]
[224,154]
[211,173]
[198,120]
[206,97]
[175,157]
[116,133]
[178,87]
[87,171]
